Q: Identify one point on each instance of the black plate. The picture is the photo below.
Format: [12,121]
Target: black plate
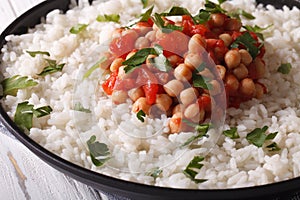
[282,190]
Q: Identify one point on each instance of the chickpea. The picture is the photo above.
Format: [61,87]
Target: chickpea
[130,54]
[192,60]
[174,60]
[178,108]
[164,101]
[142,42]
[197,44]
[194,113]
[217,19]
[246,58]
[216,88]
[232,58]
[232,82]
[175,123]
[133,34]
[119,96]
[116,64]
[222,71]
[159,34]
[151,35]
[182,73]
[259,91]
[141,104]
[188,96]
[149,58]
[135,93]
[206,73]
[173,88]
[233,25]
[260,68]
[143,30]
[227,39]
[121,72]
[241,71]
[247,87]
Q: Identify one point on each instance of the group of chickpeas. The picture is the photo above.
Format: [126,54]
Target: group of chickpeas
[180,100]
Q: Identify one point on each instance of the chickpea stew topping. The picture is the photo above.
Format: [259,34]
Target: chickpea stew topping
[186,67]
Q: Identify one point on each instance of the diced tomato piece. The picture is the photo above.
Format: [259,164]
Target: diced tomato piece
[187,24]
[235,34]
[175,42]
[123,45]
[109,84]
[199,29]
[204,102]
[150,90]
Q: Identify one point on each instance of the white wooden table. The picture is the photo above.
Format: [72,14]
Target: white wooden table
[22,174]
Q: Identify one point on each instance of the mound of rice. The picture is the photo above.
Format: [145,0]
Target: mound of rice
[137,148]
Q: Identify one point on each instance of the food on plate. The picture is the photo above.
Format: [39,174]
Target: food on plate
[181,94]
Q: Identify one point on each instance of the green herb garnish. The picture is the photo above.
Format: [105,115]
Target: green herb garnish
[273,147]
[249,42]
[155,172]
[240,12]
[109,18]
[201,130]
[213,7]
[231,133]
[78,28]
[12,85]
[258,136]
[99,152]
[177,11]
[34,53]
[201,82]
[135,61]
[145,3]
[160,23]
[202,17]
[190,170]
[78,107]
[94,67]
[257,30]
[25,112]
[285,68]
[141,115]
[146,16]
[52,67]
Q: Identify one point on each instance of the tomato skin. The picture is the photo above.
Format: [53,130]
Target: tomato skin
[123,45]
[187,24]
[109,84]
[199,29]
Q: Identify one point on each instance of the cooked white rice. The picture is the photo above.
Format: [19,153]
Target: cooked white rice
[137,147]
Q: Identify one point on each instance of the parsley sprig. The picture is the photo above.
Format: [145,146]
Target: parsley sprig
[24,115]
[51,67]
[201,130]
[192,169]
[135,61]
[99,152]
[13,84]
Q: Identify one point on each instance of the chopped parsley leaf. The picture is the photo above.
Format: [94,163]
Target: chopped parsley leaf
[141,115]
[99,152]
[231,133]
[285,68]
[13,84]
[78,28]
[191,170]
[34,53]
[51,68]
[108,18]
